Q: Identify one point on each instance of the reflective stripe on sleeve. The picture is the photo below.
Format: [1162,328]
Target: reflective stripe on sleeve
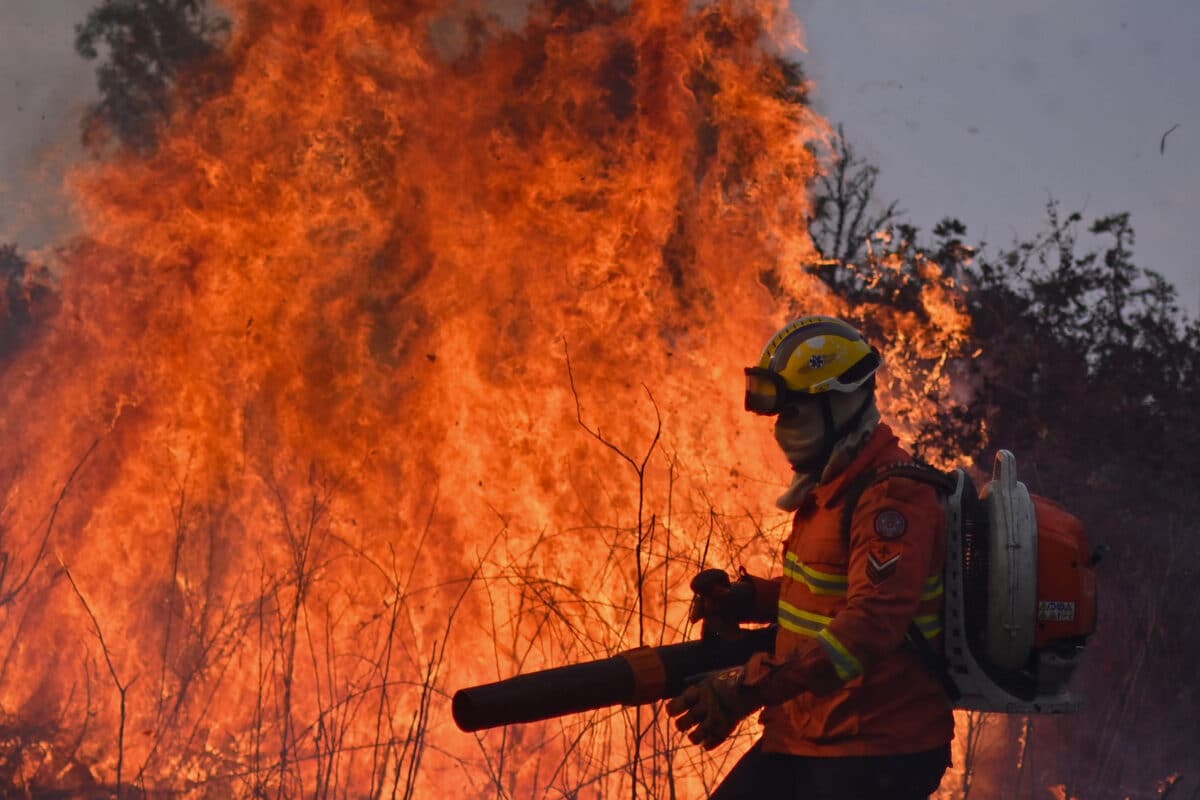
[934,587]
[847,666]
[823,583]
[930,625]
[807,623]
[802,622]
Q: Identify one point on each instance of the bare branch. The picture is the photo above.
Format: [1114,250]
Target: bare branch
[122,688]
[8,596]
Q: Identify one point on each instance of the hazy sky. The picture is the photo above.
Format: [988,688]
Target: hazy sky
[982,109]
[43,88]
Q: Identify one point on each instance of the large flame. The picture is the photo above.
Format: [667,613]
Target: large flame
[411,361]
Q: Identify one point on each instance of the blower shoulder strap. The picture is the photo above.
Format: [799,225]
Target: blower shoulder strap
[945,483]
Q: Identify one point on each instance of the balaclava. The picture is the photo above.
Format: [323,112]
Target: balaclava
[817,451]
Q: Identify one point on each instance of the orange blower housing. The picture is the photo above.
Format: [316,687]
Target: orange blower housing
[1020,596]
[1066,582]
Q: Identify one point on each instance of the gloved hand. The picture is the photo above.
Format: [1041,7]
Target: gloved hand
[718,603]
[710,710]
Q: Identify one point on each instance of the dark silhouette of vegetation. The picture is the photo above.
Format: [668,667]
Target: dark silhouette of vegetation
[154,54]
[1082,362]
[26,296]
[14,305]
[846,211]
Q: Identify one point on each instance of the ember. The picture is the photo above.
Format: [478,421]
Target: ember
[413,360]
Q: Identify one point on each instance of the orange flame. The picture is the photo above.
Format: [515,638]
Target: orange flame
[411,361]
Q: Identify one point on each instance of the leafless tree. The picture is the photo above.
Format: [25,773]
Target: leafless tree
[846,208]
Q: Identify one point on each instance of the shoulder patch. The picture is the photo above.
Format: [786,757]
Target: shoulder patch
[890,524]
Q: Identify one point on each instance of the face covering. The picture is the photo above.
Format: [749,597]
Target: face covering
[800,433]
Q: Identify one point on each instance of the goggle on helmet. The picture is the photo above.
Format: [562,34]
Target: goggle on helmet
[807,358]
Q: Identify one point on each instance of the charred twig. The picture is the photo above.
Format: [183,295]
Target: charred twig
[9,595]
[640,470]
[842,221]
[304,538]
[427,692]
[976,721]
[379,766]
[122,688]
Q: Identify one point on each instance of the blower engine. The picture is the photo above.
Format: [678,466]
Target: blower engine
[1020,596]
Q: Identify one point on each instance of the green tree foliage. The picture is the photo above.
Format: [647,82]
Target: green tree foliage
[153,54]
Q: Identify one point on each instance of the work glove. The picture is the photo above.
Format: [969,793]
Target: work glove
[709,711]
[720,604]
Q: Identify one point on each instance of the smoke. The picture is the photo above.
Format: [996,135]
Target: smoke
[43,94]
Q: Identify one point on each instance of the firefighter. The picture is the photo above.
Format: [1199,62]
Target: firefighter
[851,709]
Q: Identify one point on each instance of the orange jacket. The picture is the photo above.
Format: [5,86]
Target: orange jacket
[842,681]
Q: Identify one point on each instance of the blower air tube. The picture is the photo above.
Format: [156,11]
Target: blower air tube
[630,678]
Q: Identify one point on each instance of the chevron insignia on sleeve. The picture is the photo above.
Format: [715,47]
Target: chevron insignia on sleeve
[880,569]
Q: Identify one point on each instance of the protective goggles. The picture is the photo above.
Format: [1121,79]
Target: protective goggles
[766,392]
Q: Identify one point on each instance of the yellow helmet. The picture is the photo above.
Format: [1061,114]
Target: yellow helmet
[809,357]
